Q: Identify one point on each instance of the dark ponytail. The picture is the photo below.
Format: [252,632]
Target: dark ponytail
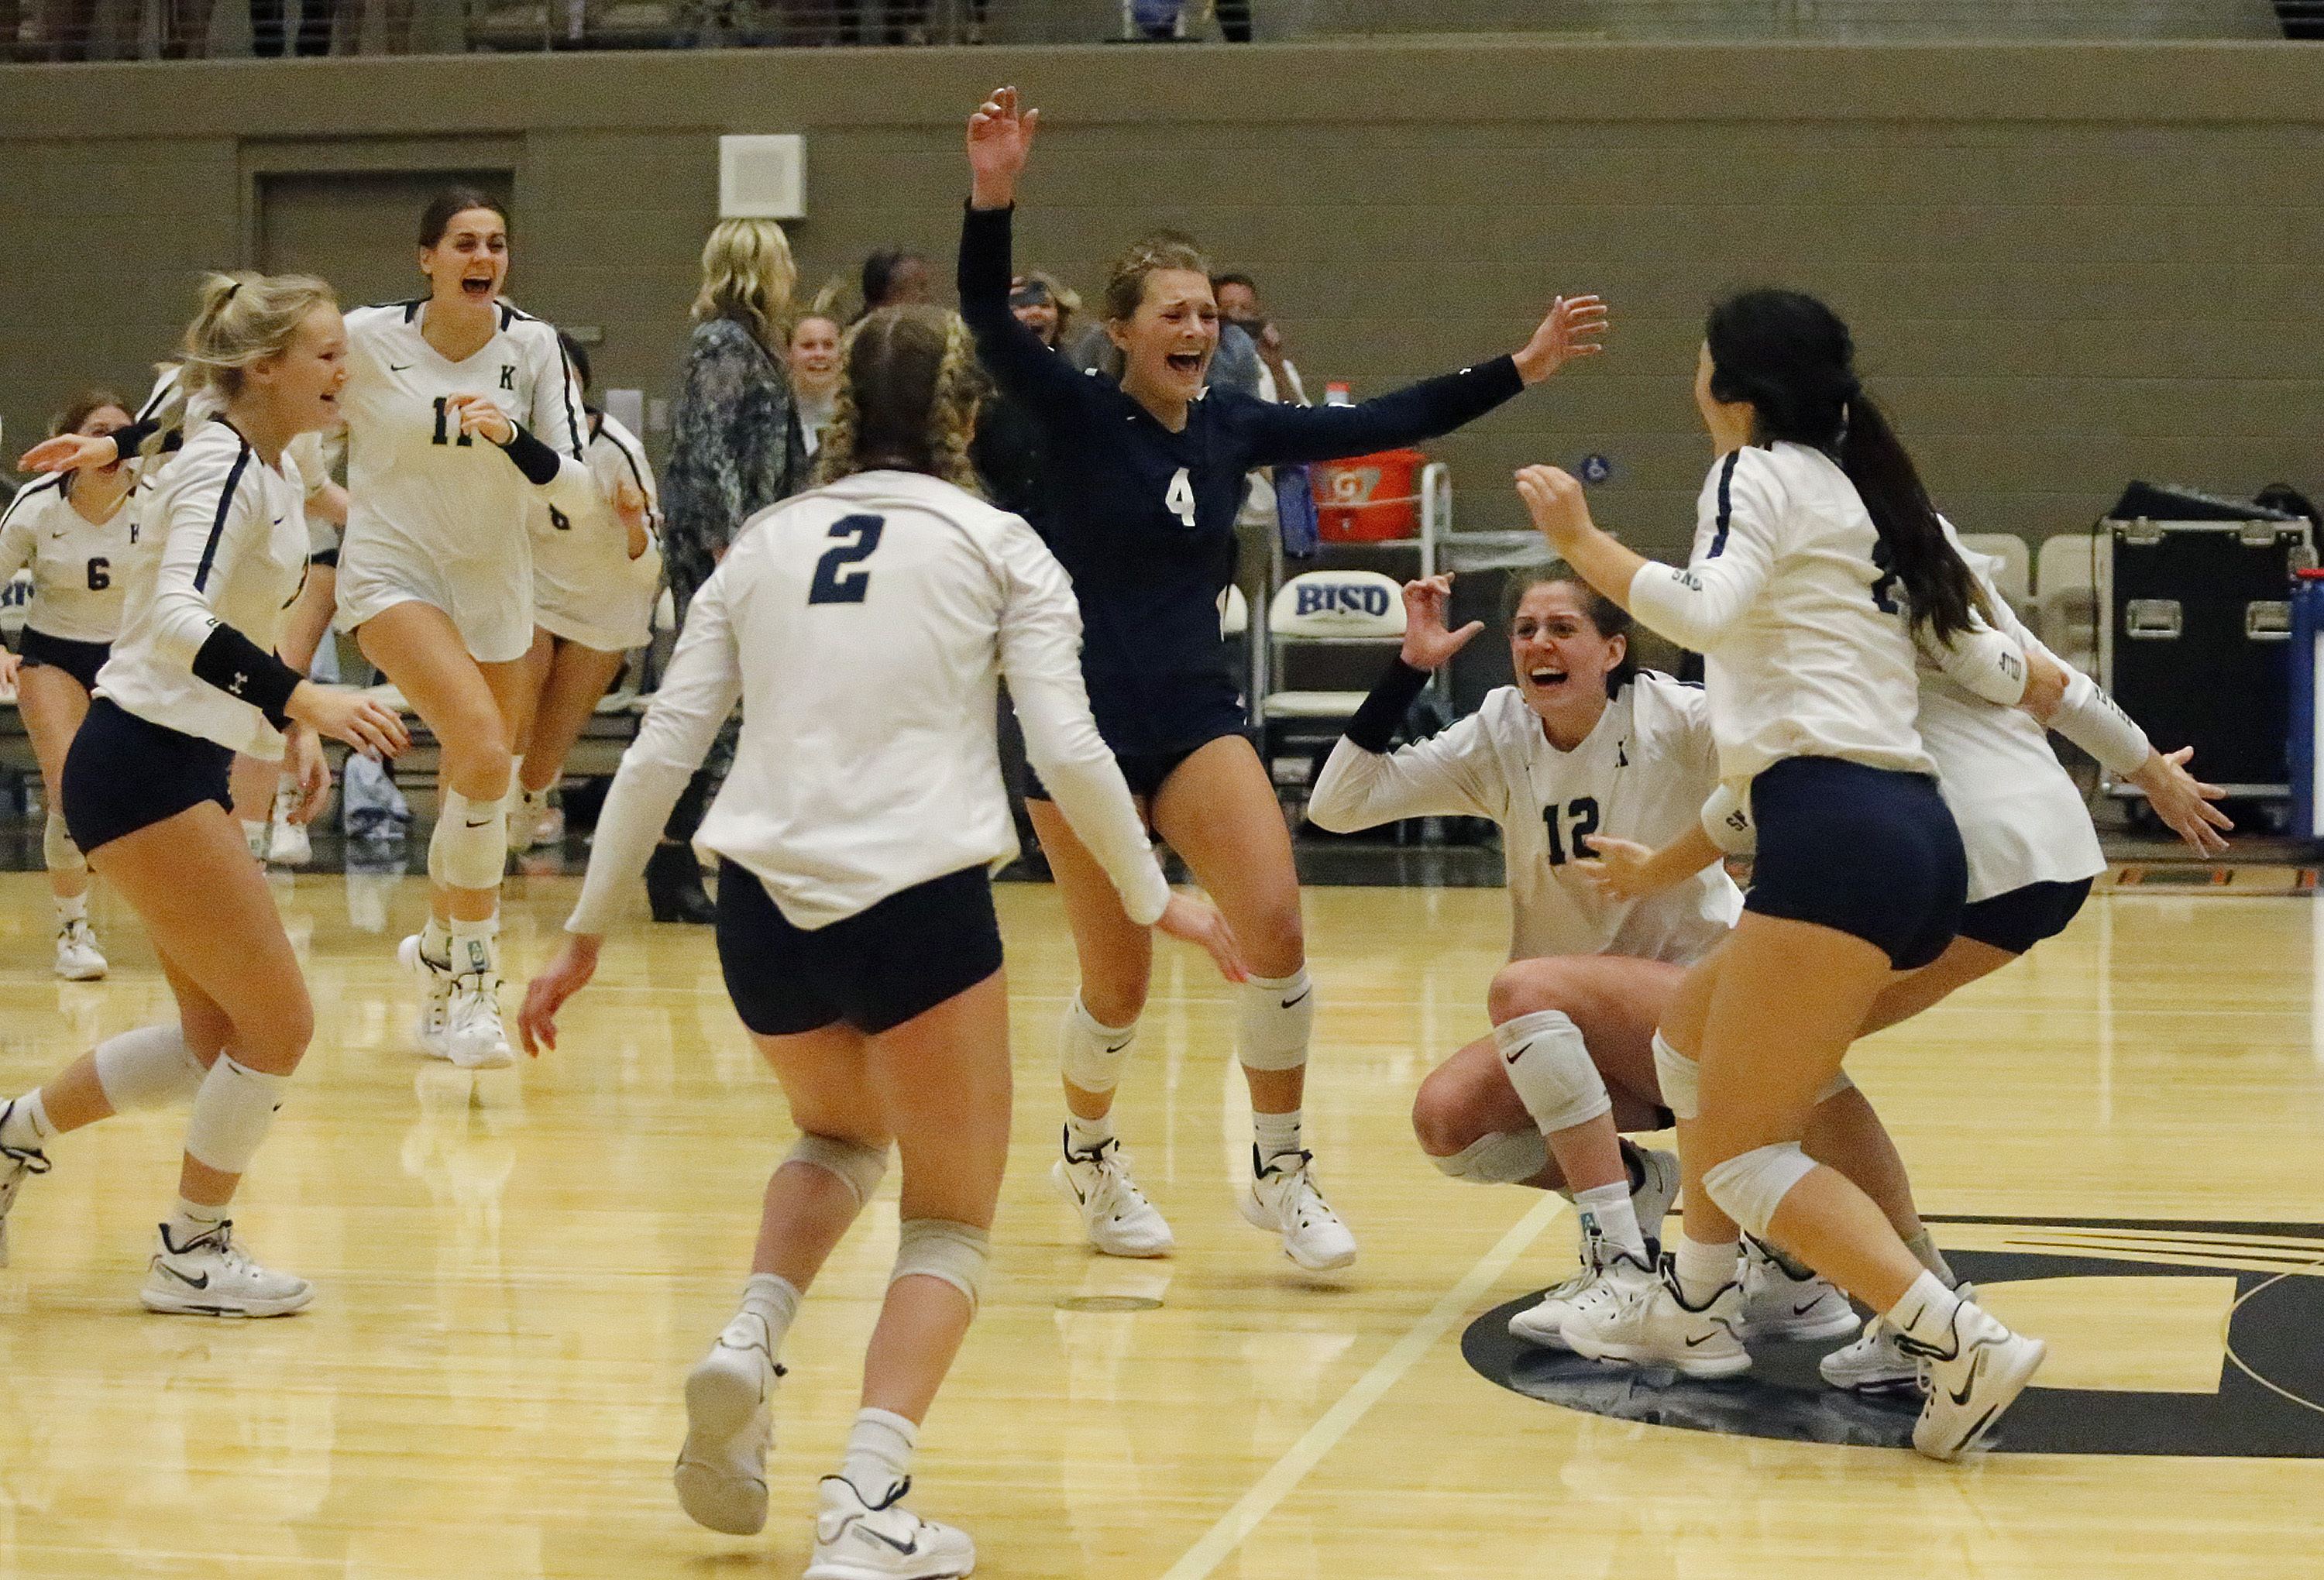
[1792,358]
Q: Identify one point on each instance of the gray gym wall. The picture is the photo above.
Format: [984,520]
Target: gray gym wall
[2068,264]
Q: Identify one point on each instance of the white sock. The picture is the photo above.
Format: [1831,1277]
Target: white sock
[259,835]
[879,1453]
[1703,1270]
[471,945]
[27,1125]
[1926,1313]
[1084,1135]
[72,908]
[1276,1134]
[775,1298]
[191,1220]
[1923,1247]
[286,801]
[1609,1209]
[436,942]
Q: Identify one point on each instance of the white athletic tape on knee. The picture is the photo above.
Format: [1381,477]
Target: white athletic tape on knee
[940,1248]
[1548,1063]
[149,1068]
[1092,1055]
[1277,1018]
[856,1166]
[1681,1078]
[470,845]
[57,847]
[1750,1188]
[1505,1157]
[232,1112]
[1838,1084]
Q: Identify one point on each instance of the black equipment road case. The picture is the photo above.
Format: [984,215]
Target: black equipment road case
[2195,629]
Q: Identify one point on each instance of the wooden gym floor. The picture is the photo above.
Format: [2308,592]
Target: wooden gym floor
[514,1273]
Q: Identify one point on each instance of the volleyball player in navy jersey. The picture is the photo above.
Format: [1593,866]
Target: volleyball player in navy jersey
[1139,500]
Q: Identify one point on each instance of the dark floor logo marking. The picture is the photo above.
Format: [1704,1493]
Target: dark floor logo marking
[2269,1404]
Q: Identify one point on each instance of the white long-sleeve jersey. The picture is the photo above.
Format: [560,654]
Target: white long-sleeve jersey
[418,485]
[1805,648]
[1640,774]
[233,535]
[81,569]
[586,587]
[866,625]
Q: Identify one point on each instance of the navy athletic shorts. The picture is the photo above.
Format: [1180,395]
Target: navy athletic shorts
[2017,921]
[124,773]
[1871,852]
[873,970]
[1143,771]
[81,660]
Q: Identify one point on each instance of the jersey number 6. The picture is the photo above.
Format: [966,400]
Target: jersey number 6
[834,582]
[100,575]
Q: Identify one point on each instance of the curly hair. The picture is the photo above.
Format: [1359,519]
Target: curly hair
[748,275]
[1125,285]
[908,391]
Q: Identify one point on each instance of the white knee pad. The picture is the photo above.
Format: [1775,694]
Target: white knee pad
[1681,1078]
[232,1112]
[470,845]
[1090,1053]
[1750,1188]
[57,848]
[1279,1016]
[1548,1063]
[149,1068]
[940,1248]
[1505,1157]
[857,1167]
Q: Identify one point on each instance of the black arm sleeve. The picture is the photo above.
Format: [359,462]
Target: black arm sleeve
[240,668]
[128,441]
[1013,355]
[1417,412]
[1374,725]
[535,459]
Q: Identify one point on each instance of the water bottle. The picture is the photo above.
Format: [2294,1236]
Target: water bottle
[1337,395]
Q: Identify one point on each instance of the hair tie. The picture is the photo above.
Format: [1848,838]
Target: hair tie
[229,293]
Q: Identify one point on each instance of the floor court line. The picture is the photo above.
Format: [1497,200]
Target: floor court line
[1218,1543]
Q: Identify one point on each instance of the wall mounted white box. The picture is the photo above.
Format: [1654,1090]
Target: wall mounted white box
[762,177]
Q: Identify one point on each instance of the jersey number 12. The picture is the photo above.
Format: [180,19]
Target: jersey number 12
[1583,812]
[834,581]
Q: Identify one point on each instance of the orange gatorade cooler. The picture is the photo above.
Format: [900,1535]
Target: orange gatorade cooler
[1369,499]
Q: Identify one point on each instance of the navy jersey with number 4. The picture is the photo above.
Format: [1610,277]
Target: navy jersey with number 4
[1143,519]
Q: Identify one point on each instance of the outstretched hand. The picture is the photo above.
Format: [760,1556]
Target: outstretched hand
[1619,870]
[1198,922]
[1427,643]
[999,137]
[1571,329]
[1555,502]
[559,981]
[2183,801]
[71,453]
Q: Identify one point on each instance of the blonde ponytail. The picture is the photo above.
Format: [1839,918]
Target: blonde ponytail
[243,318]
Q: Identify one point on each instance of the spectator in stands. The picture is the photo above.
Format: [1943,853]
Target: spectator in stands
[814,376]
[1044,306]
[894,276]
[735,449]
[1278,380]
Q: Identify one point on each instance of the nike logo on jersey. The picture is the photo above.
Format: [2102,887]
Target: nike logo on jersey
[906,1547]
[397,367]
[479,822]
[202,1282]
[1303,993]
[1968,1386]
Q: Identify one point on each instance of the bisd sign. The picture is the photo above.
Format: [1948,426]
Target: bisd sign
[1367,600]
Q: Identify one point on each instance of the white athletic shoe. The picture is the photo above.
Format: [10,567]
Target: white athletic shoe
[721,1475]
[211,1276]
[1544,1322]
[473,1037]
[1115,1214]
[1876,1365]
[17,1164]
[858,1539]
[1780,1309]
[78,959]
[1649,1323]
[550,831]
[435,984]
[290,846]
[1283,1200]
[1971,1381]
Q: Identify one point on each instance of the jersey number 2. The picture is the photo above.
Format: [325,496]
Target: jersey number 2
[834,582]
[1178,498]
[1583,812]
[443,426]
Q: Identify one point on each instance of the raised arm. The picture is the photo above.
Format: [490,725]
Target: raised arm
[1362,785]
[999,137]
